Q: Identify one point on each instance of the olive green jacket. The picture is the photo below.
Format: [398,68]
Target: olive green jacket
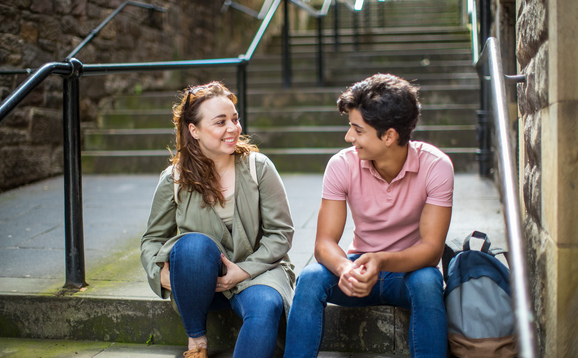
[261,236]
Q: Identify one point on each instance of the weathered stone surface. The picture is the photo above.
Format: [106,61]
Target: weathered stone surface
[9,20]
[532,186]
[541,77]
[533,139]
[35,32]
[536,257]
[41,7]
[10,136]
[532,28]
[46,126]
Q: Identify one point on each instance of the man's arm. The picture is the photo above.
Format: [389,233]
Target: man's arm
[330,224]
[433,226]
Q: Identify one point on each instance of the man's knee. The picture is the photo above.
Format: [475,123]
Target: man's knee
[312,275]
[426,280]
[312,282]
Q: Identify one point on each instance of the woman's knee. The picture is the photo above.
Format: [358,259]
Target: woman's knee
[196,245]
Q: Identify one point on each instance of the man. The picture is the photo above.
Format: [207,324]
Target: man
[400,196]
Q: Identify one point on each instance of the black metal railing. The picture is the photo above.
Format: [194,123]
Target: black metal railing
[71,70]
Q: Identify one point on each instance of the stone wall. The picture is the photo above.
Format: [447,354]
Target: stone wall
[531,51]
[34,32]
[548,103]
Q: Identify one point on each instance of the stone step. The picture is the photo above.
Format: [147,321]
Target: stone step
[421,35]
[392,13]
[432,114]
[447,136]
[407,30]
[365,57]
[325,96]
[77,317]
[287,160]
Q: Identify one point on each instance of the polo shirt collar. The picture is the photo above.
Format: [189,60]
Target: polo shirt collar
[411,163]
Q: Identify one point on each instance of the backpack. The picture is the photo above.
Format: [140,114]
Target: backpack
[478,300]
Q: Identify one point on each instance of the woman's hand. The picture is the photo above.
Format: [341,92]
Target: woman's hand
[166,277]
[234,275]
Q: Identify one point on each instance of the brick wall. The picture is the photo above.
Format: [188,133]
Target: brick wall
[34,32]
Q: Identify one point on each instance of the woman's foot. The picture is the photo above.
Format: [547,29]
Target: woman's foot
[197,348]
[197,352]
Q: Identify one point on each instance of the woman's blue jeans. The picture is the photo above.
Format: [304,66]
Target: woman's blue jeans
[195,264]
[421,291]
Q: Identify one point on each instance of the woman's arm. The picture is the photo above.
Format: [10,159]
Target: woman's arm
[160,227]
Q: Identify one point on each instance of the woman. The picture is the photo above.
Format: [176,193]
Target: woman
[220,228]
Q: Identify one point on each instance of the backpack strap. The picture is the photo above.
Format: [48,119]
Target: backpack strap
[253,167]
[176,176]
[478,235]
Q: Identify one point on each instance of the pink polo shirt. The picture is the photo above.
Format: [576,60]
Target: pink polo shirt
[386,215]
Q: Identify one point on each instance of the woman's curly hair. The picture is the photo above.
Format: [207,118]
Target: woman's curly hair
[196,171]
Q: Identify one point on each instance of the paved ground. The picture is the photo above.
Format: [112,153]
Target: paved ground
[115,214]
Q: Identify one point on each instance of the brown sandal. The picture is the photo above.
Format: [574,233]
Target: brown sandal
[197,352]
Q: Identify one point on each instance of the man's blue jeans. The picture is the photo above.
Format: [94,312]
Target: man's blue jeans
[195,264]
[421,291]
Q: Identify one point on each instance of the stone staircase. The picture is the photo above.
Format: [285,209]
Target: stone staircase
[299,128]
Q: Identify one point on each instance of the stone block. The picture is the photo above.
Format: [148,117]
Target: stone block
[376,329]
[11,136]
[10,23]
[46,126]
[568,300]
[533,138]
[566,180]
[21,165]
[541,77]
[532,30]
[41,7]
[362,330]
[563,66]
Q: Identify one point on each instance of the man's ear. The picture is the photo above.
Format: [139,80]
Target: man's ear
[391,137]
[193,131]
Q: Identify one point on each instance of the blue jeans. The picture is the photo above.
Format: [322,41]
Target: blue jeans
[420,291]
[195,264]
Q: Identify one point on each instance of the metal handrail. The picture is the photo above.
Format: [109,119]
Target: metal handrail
[95,32]
[491,57]
[71,70]
[473,12]
[237,6]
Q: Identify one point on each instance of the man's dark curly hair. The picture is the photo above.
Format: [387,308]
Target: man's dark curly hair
[384,101]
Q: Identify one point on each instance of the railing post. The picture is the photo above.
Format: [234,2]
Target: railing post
[73,222]
[242,94]
[286,48]
[484,123]
[320,69]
